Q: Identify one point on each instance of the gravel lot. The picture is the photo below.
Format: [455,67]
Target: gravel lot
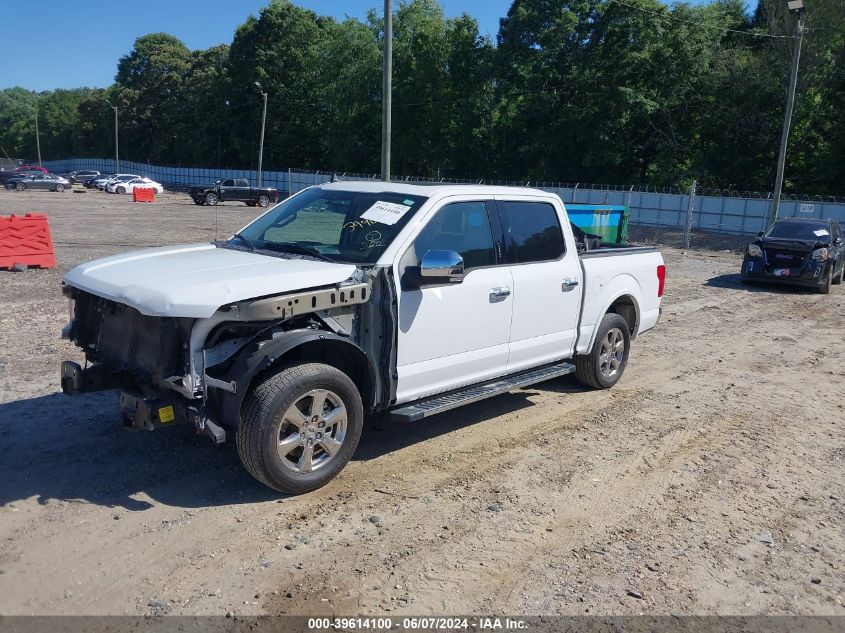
[710,480]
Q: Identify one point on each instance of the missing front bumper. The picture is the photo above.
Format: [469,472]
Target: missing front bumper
[149,413]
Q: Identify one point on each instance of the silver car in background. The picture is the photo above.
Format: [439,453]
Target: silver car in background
[49,182]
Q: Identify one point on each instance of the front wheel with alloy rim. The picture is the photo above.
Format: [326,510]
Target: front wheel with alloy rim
[20,186]
[60,188]
[299,427]
[602,367]
[121,190]
[211,199]
[263,201]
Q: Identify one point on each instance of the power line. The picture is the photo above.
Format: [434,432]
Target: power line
[192,114]
[696,23]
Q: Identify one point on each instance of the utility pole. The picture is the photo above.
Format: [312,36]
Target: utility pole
[387,88]
[37,136]
[116,145]
[263,124]
[797,7]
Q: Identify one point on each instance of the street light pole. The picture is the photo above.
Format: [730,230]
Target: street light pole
[263,125]
[387,88]
[116,145]
[37,136]
[795,6]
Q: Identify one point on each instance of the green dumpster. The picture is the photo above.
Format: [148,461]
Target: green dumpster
[608,221]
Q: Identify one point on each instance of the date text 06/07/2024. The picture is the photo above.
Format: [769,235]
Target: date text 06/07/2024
[417,623]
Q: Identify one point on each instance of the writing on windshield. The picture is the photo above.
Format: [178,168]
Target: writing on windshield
[343,226]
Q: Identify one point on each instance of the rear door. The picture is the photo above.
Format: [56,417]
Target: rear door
[452,335]
[547,282]
[241,191]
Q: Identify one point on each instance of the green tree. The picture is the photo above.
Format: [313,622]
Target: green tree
[149,92]
[280,49]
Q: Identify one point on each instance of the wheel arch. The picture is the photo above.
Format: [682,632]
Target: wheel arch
[258,360]
[625,304]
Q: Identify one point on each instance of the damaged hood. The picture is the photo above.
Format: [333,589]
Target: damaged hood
[793,244]
[194,280]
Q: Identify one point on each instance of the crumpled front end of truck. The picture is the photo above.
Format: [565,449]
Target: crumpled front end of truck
[197,370]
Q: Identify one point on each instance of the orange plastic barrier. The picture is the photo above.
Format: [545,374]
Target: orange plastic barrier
[143,194]
[25,240]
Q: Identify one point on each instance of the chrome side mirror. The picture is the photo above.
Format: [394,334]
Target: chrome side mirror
[445,265]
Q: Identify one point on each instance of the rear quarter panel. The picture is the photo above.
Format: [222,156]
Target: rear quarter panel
[609,278]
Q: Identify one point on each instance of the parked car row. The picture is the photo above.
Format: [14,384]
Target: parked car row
[112,183]
[121,183]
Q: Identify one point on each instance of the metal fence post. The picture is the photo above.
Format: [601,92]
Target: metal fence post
[690,206]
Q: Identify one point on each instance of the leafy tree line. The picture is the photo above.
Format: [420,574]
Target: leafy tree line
[598,91]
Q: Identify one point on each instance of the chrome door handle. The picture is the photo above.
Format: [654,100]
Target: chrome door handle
[499,294]
[568,284]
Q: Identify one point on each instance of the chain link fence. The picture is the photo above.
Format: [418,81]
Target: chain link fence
[693,217]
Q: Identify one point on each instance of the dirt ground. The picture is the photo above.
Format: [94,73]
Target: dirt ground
[710,480]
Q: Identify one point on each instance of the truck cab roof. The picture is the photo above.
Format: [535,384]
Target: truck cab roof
[432,190]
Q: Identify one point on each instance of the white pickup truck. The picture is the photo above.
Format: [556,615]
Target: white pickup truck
[351,298]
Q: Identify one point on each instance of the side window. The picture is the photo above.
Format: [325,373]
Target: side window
[227,183]
[463,227]
[241,182]
[534,230]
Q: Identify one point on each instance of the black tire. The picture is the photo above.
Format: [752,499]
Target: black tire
[824,287]
[211,199]
[263,201]
[19,186]
[837,279]
[590,369]
[60,187]
[263,421]
[121,190]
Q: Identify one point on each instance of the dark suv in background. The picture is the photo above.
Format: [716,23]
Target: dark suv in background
[81,175]
[805,252]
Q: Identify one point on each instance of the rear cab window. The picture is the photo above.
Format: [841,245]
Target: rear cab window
[532,231]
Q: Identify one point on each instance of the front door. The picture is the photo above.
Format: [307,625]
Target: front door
[547,283]
[455,334]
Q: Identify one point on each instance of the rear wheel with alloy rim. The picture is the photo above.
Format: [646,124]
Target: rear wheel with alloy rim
[603,366]
[299,427]
[263,201]
[20,186]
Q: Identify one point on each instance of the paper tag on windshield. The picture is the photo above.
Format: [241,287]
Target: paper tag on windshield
[385,212]
[820,233]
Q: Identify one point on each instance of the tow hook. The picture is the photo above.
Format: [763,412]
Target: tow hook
[204,426]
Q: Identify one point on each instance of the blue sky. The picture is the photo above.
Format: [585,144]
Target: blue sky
[68,46]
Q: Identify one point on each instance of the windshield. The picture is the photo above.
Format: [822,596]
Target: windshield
[798,231]
[343,226]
